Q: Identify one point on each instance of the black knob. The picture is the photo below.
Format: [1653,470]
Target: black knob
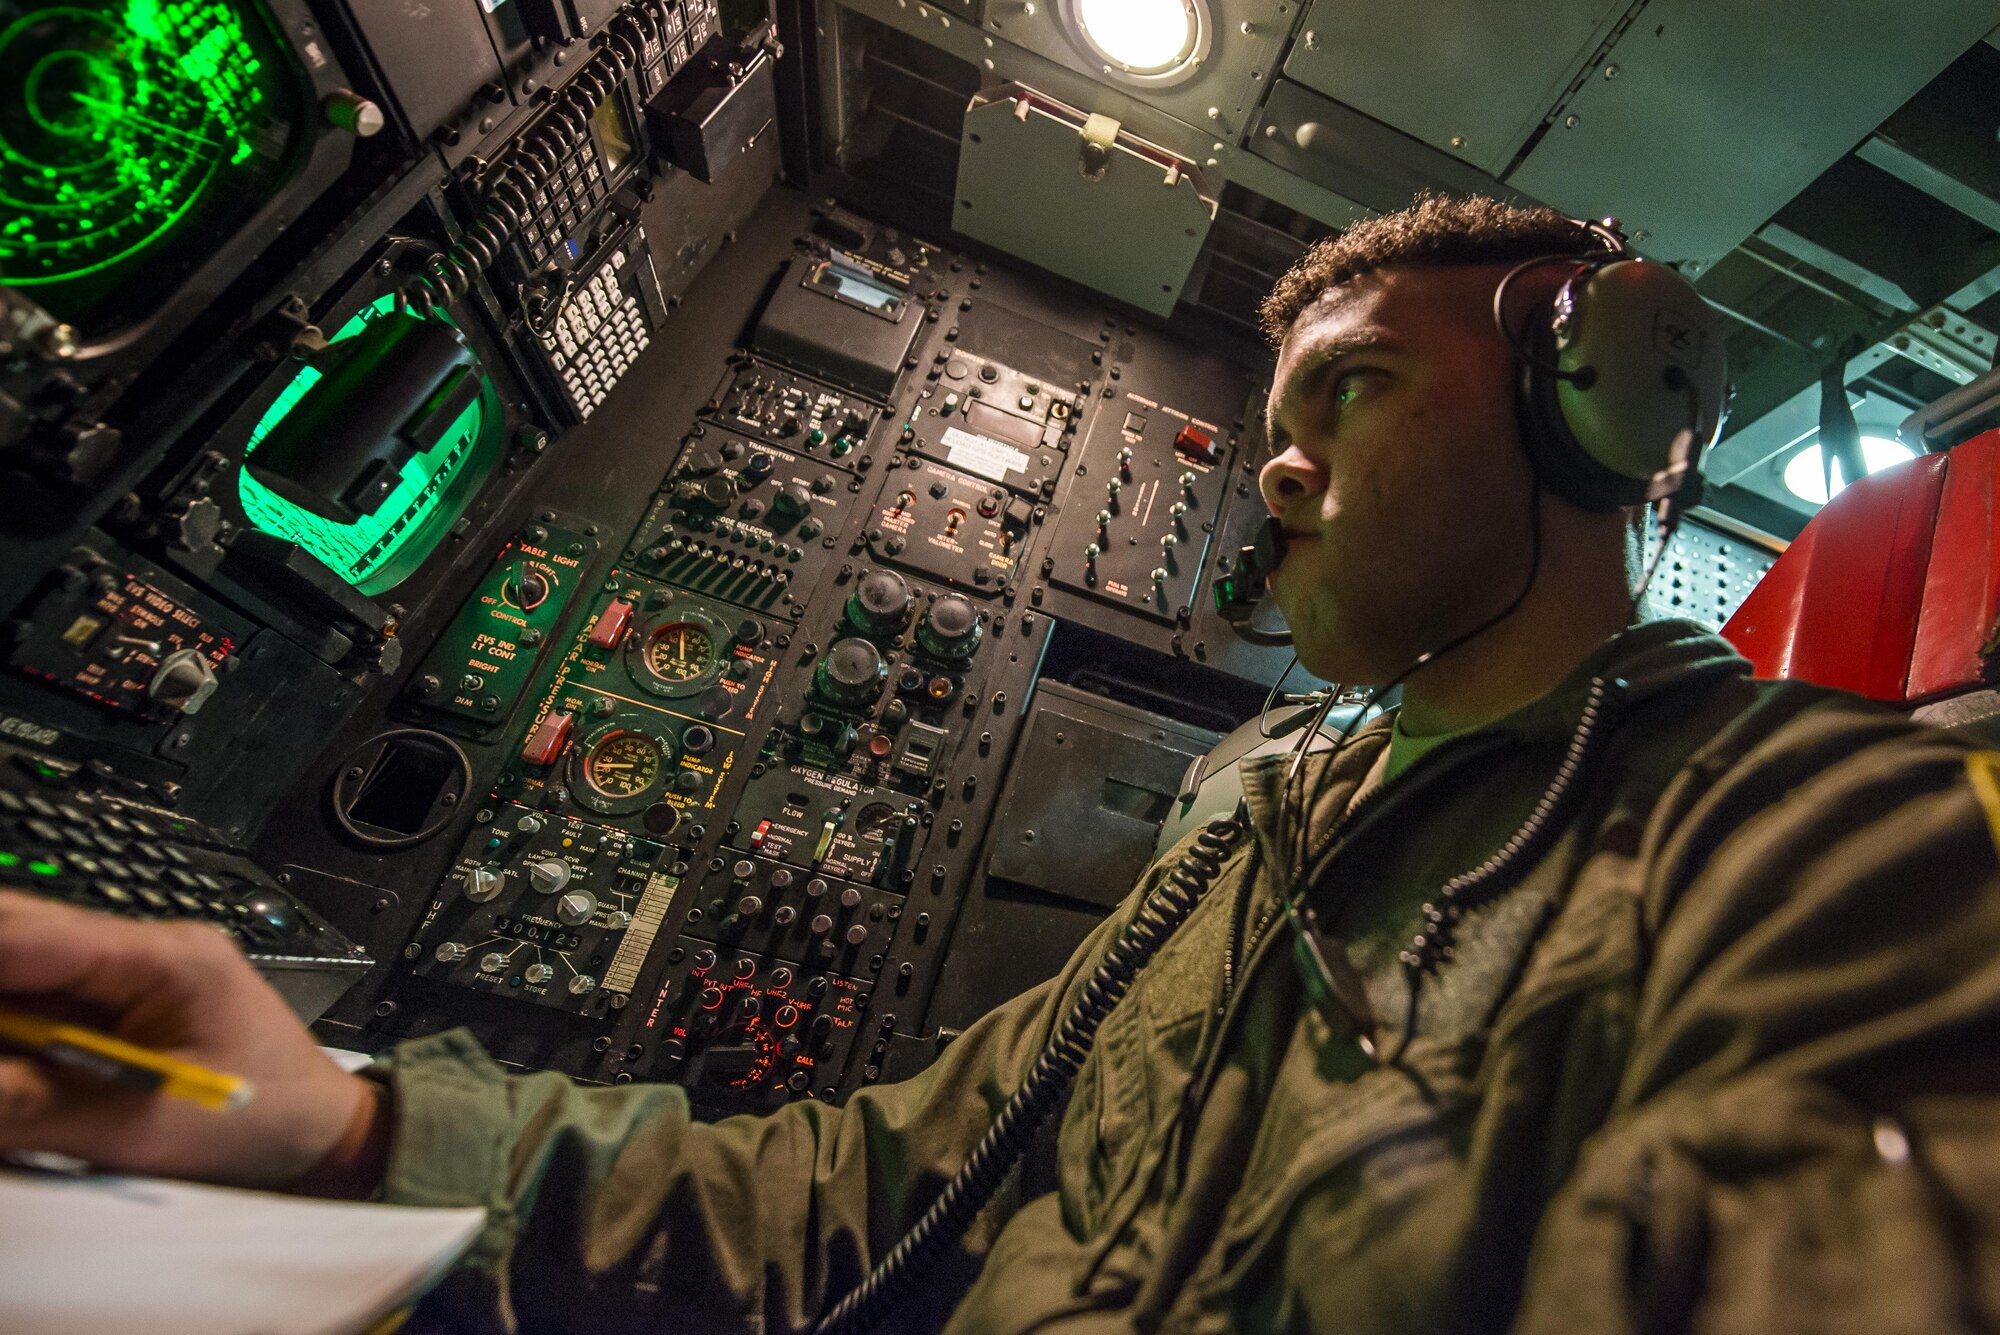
[951,628]
[703,461]
[718,492]
[851,674]
[750,1007]
[793,501]
[704,960]
[880,603]
[530,589]
[758,466]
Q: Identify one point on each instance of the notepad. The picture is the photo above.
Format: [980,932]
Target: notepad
[97,1255]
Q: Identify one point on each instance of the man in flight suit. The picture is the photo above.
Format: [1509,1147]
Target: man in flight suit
[1717,1055]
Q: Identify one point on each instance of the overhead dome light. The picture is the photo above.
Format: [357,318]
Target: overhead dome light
[1805,475]
[1142,41]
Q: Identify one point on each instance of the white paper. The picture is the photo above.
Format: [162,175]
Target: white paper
[348,1060]
[982,455]
[105,1255]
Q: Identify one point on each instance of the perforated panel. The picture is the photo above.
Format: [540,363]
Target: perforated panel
[1706,575]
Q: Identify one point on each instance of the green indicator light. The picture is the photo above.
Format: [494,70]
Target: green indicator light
[135,136]
[9,859]
[44,868]
[376,552]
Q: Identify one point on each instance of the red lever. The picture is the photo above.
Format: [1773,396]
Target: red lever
[548,739]
[612,623]
[1197,444]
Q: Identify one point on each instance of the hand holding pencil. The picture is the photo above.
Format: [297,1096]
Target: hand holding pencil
[115,1033]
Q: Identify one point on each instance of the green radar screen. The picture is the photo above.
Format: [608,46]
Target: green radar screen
[135,138]
[378,551]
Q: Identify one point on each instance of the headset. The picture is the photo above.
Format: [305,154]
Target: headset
[1623,379]
[1623,383]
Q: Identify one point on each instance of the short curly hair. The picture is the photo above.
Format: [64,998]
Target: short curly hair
[1435,230]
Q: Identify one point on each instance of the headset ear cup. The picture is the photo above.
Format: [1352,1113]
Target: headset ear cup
[1561,462]
[1618,368]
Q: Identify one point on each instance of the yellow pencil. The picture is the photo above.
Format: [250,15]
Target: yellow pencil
[113,1059]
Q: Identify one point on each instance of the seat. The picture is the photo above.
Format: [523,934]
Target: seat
[1893,591]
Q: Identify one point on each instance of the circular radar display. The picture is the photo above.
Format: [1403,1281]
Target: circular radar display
[620,770]
[680,651]
[135,136]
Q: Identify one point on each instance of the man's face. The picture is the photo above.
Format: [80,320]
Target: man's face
[1398,471]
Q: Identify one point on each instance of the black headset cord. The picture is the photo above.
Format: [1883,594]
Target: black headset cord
[1046,1087]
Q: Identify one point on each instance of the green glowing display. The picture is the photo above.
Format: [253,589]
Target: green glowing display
[377,552]
[134,135]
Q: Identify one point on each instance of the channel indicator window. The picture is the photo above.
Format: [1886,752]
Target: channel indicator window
[135,137]
[378,551]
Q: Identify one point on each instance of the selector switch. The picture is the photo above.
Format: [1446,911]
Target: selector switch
[852,673]
[183,681]
[574,909]
[548,875]
[482,884]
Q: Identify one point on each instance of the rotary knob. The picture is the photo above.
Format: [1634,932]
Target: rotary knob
[574,909]
[183,681]
[880,603]
[704,960]
[851,674]
[582,985]
[493,961]
[482,884]
[449,953]
[548,875]
[793,501]
[750,1007]
[538,973]
[951,628]
[530,588]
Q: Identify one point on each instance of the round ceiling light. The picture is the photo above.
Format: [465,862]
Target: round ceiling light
[1805,475]
[1141,41]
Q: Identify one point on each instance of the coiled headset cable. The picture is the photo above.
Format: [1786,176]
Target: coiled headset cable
[1046,1087]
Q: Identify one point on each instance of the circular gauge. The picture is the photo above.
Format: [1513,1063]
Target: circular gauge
[619,770]
[679,651]
[681,654]
[877,821]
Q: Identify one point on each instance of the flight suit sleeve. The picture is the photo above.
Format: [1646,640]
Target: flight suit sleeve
[611,1209]
[1807,1136]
